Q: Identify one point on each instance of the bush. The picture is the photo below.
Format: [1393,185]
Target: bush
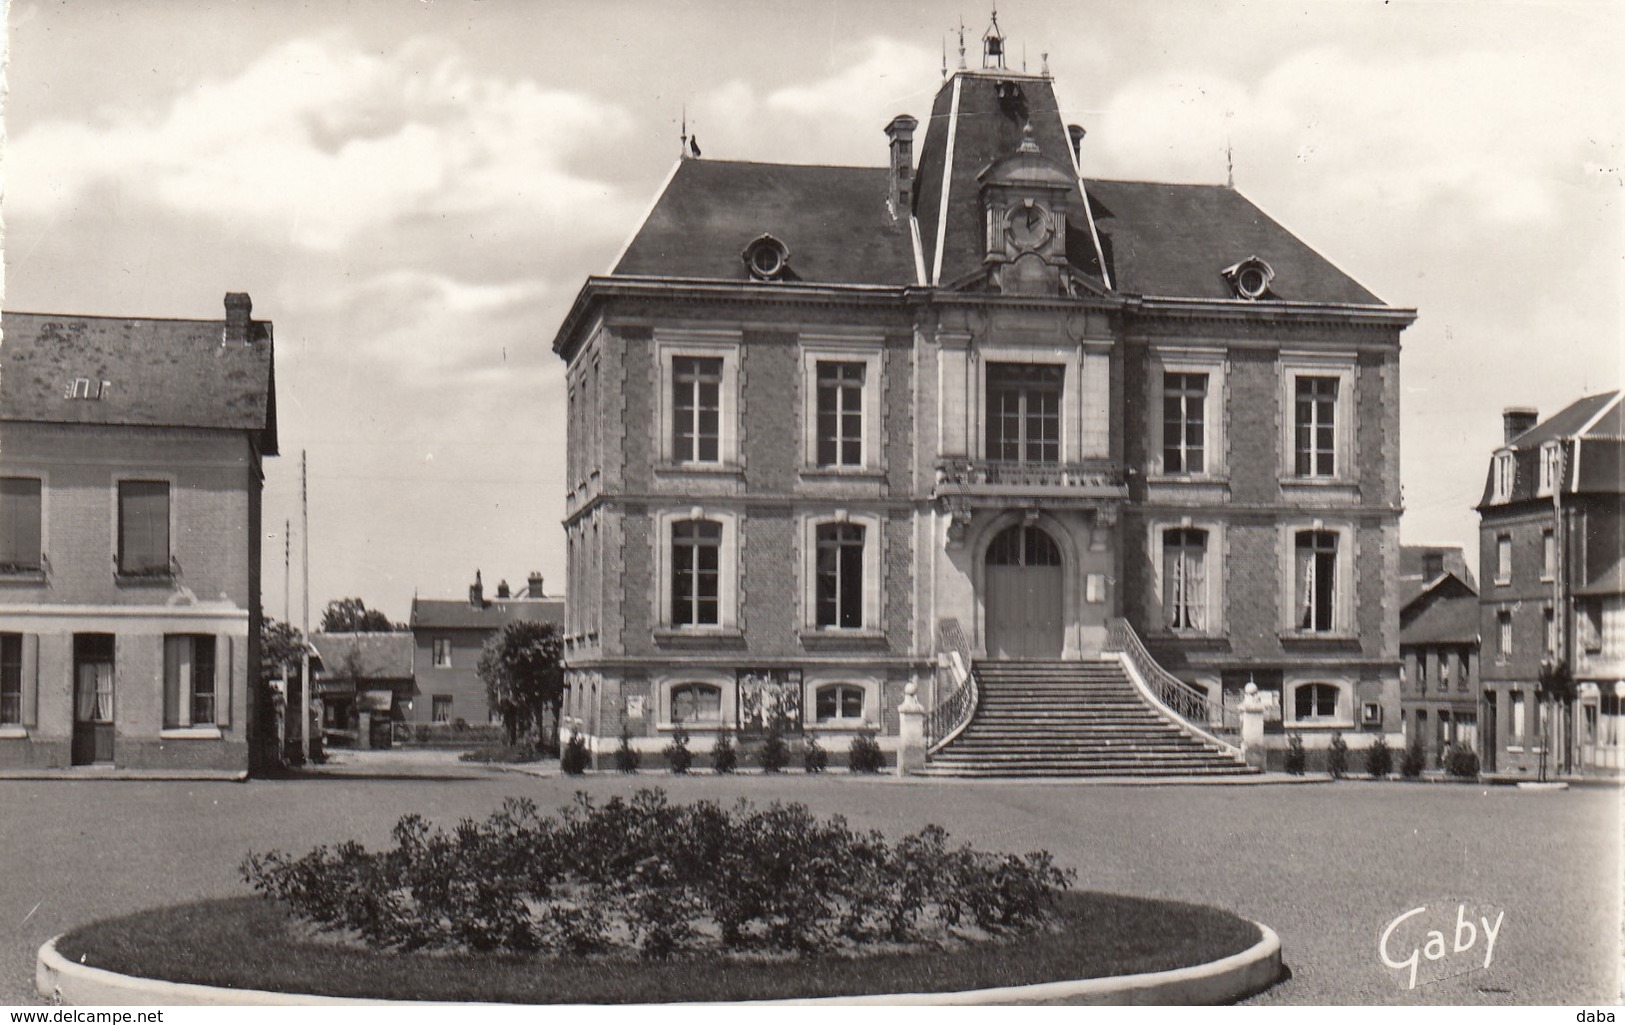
[1379,759]
[1294,755]
[1413,761]
[678,756]
[1461,761]
[724,755]
[525,751]
[662,878]
[814,758]
[626,759]
[775,752]
[575,758]
[1337,757]
[865,755]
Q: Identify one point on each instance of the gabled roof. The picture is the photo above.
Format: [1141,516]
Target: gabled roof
[1451,620]
[158,373]
[1413,581]
[435,614]
[378,656]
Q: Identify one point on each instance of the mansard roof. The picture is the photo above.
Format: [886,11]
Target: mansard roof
[1591,433]
[157,373]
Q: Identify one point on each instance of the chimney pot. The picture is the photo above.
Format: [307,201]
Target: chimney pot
[900,130]
[533,586]
[238,307]
[502,590]
[1517,420]
[476,592]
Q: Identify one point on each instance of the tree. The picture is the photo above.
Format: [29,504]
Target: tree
[280,644]
[351,615]
[523,670]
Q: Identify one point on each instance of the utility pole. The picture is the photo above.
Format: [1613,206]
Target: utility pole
[304,648]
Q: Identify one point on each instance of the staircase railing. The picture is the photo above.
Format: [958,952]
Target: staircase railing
[950,717]
[1199,713]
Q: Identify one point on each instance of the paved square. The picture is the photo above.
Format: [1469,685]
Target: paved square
[1327,866]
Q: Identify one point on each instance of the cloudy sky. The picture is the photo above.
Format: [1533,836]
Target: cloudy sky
[413,191]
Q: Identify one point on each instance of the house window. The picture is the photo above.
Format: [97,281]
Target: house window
[19,524]
[840,702]
[839,570]
[1444,671]
[143,537]
[696,409]
[440,708]
[1549,621]
[1518,723]
[1503,559]
[1551,467]
[1184,579]
[1315,427]
[1548,555]
[1504,471]
[1316,579]
[1422,672]
[1588,622]
[1184,398]
[696,547]
[1024,412]
[840,413]
[1315,701]
[11,679]
[442,652]
[696,702]
[1503,633]
[190,680]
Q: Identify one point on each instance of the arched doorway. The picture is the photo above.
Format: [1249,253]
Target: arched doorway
[1024,599]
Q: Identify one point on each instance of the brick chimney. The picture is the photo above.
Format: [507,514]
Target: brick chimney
[901,133]
[1518,420]
[476,592]
[1432,565]
[533,586]
[238,306]
[502,589]
[1076,134]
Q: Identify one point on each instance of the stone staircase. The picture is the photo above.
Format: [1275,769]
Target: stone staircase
[1073,719]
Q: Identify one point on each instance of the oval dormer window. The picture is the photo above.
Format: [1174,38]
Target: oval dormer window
[1250,278]
[767,258]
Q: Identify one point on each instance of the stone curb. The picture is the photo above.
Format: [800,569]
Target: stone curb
[1219,982]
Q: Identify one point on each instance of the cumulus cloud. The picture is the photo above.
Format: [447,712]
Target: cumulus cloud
[320,142]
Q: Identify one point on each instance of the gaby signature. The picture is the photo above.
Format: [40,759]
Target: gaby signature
[1408,944]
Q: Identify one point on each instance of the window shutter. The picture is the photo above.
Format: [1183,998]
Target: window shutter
[225,675]
[174,691]
[30,680]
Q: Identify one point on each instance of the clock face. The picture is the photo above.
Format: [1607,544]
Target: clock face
[1030,225]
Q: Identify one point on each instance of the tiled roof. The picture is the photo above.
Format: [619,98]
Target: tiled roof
[1444,621]
[379,656]
[159,373]
[434,614]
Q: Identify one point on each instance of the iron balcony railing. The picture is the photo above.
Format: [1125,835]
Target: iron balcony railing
[963,474]
[952,715]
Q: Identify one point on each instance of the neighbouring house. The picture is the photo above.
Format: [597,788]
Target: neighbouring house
[1438,648]
[1551,541]
[448,637]
[836,433]
[130,498]
[366,684]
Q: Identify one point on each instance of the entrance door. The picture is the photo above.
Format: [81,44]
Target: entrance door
[1023,597]
[92,698]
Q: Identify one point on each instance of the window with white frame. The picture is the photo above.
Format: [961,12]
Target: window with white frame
[839,428]
[1312,701]
[1023,414]
[1503,559]
[696,561]
[1551,467]
[696,409]
[1184,419]
[839,585]
[841,389]
[442,652]
[1315,426]
[11,679]
[699,407]
[1184,578]
[190,680]
[696,703]
[20,524]
[440,708]
[1548,554]
[1503,470]
[839,702]
[1315,562]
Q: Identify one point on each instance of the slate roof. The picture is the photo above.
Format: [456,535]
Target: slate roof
[1452,620]
[160,373]
[1412,562]
[1592,433]
[382,656]
[435,614]
[1606,584]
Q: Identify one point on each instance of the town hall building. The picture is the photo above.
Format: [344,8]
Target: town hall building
[969,425]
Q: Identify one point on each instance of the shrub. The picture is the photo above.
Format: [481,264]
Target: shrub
[724,755]
[1379,759]
[575,758]
[1337,757]
[525,751]
[865,755]
[1413,761]
[661,878]
[1294,755]
[678,756]
[775,752]
[1461,761]
[814,758]
[626,759]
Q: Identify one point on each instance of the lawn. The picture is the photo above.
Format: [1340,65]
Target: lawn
[252,943]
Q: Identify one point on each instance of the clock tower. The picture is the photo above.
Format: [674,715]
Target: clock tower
[1025,203]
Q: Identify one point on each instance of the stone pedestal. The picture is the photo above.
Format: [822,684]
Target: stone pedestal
[1252,726]
[363,738]
[910,732]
